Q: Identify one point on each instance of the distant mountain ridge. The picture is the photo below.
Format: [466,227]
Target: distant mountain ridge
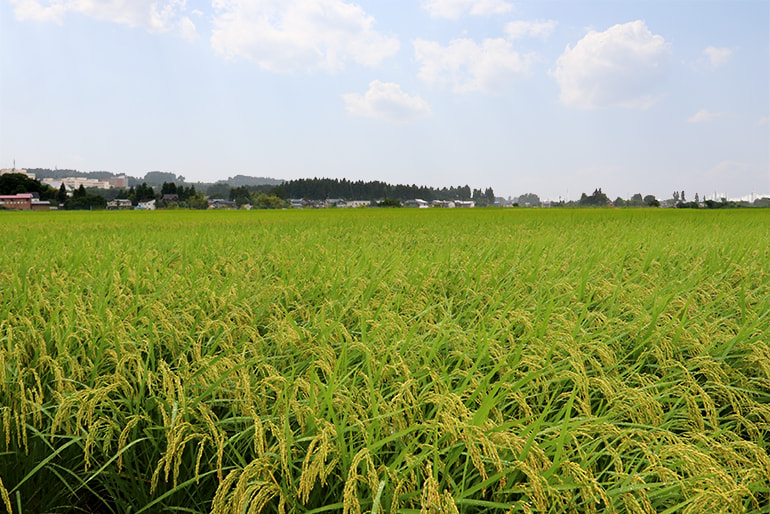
[245,180]
[153,178]
[60,174]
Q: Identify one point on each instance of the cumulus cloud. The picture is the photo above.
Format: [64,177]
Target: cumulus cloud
[538,29]
[703,116]
[468,66]
[386,101]
[39,11]
[153,15]
[761,122]
[299,35]
[617,67]
[717,56]
[453,9]
[729,170]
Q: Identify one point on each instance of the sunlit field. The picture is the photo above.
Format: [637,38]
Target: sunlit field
[384,361]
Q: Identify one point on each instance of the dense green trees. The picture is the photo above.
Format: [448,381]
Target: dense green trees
[324,188]
[218,190]
[597,199]
[651,201]
[168,188]
[142,193]
[389,202]
[264,201]
[81,201]
[183,193]
[16,183]
[528,200]
[61,195]
[241,195]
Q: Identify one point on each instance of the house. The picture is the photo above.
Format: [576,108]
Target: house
[335,202]
[296,203]
[146,206]
[17,202]
[170,198]
[446,204]
[465,204]
[41,205]
[421,204]
[220,203]
[355,204]
[119,204]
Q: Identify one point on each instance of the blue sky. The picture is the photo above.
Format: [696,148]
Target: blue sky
[551,97]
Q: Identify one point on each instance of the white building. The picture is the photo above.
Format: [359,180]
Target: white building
[146,206]
[119,204]
[53,182]
[417,202]
[72,183]
[20,172]
[76,182]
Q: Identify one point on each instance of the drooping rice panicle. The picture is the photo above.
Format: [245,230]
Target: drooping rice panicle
[385,360]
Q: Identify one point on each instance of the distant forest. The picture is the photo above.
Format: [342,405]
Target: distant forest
[57,174]
[153,178]
[325,188]
[244,189]
[309,188]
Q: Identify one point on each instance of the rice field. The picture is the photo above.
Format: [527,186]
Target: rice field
[385,361]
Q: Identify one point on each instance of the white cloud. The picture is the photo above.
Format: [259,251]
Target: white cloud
[34,10]
[717,56]
[292,35]
[703,116]
[761,122]
[468,66]
[386,101]
[728,171]
[522,29]
[617,67]
[187,29]
[153,15]
[453,9]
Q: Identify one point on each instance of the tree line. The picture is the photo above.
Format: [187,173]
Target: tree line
[326,188]
[599,199]
[269,196]
[18,183]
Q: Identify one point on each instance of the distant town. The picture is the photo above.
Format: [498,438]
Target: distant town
[45,189]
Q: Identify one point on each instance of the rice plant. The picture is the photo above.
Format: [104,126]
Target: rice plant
[385,361]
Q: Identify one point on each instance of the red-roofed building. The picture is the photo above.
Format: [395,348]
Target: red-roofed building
[19,202]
